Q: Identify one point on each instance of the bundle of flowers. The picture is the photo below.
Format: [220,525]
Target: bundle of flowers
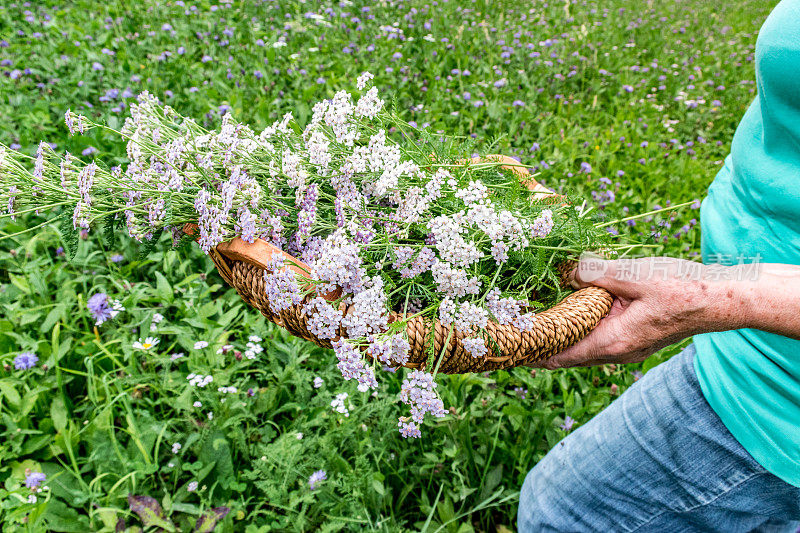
[388,219]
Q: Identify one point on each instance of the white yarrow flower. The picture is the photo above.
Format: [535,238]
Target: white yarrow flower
[361,81]
[338,404]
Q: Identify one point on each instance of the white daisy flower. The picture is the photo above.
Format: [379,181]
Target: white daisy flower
[148,343]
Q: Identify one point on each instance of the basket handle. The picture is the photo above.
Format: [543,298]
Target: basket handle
[522,173]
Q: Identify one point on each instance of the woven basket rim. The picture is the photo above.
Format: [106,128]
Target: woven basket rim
[555,328]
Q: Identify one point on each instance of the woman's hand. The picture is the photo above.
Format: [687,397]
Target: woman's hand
[659,301]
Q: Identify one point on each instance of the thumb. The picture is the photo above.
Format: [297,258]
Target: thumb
[593,270]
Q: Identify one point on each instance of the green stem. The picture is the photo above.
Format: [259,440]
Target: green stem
[655,212]
[444,347]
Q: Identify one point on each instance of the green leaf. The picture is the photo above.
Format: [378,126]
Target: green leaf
[148,246]
[58,412]
[649,363]
[217,452]
[110,231]
[52,317]
[60,517]
[208,520]
[69,236]
[163,288]
[491,482]
[445,510]
[20,283]
[149,511]
[10,392]
[377,486]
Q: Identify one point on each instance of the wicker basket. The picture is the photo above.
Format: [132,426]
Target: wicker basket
[242,265]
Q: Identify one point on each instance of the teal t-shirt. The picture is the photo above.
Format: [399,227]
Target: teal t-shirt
[752,213]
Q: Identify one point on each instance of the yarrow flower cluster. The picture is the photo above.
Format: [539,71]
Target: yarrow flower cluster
[323,319]
[316,478]
[419,391]
[338,404]
[353,366]
[369,227]
[391,350]
[253,347]
[156,320]
[281,286]
[475,346]
[199,380]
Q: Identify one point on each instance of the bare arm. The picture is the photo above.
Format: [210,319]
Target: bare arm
[660,301]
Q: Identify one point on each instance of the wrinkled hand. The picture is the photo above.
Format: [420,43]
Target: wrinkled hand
[658,301]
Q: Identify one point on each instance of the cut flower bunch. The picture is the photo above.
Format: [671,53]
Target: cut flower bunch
[388,223]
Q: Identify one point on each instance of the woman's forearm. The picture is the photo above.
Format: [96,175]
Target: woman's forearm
[661,300]
[764,296]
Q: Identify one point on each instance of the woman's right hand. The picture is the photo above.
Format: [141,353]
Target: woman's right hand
[658,301]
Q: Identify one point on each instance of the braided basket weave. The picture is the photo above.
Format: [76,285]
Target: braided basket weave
[242,265]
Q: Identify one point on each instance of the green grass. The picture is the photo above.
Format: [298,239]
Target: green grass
[100,417]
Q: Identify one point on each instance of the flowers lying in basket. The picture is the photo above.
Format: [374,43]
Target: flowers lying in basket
[387,218]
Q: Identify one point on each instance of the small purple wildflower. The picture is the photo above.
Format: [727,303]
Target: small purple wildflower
[568,423]
[99,308]
[316,478]
[34,479]
[25,361]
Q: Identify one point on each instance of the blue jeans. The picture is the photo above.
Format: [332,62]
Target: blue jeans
[657,459]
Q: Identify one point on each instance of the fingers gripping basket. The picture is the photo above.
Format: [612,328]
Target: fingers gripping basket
[242,265]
